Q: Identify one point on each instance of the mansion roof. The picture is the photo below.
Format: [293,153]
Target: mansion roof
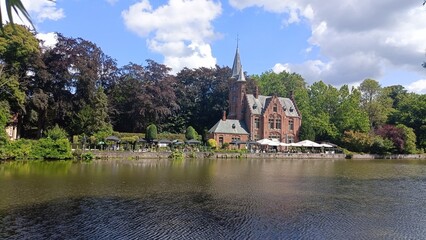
[259,104]
[230,126]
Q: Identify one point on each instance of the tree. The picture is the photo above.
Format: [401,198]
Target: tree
[409,139]
[410,112]
[349,115]
[394,134]
[191,133]
[377,105]
[151,132]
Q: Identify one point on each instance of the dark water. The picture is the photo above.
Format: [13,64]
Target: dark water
[214,199]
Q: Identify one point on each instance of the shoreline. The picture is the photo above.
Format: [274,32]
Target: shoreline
[219,155]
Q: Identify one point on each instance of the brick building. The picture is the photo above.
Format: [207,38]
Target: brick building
[252,116]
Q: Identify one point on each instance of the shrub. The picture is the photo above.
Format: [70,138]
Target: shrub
[191,133]
[212,143]
[56,133]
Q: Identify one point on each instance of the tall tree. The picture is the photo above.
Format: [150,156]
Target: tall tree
[377,104]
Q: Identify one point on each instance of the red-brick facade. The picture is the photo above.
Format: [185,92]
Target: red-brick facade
[252,116]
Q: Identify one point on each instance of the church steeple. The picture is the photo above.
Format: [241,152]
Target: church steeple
[237,89]
[237,68]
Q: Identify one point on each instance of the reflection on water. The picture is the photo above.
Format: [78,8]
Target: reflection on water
[213,199]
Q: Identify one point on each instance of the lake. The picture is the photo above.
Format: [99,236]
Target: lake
[214,199]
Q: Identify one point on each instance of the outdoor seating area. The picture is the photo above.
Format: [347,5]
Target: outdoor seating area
[306,146]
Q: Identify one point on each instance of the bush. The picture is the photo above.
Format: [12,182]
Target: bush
[191,133]
[212,143]
[56,133]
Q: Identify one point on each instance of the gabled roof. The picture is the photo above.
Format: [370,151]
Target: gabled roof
[259,104]
[230,126]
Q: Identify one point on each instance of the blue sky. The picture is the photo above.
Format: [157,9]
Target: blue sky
[337,41]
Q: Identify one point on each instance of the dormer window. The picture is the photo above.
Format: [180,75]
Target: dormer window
[233,125]
[291,109]
[254,106]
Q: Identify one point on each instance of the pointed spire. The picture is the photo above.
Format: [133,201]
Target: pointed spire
[241,77]
[237,68]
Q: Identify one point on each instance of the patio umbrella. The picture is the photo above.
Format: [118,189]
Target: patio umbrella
[164,141]
[192,142]
[264,141]
[112,138]
[308,143]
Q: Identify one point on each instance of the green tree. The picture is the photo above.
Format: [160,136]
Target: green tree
[280,84]
[18,49]
[409,139]
[411,111]
[377,104]
[191,133]
[349,115]
[151,132]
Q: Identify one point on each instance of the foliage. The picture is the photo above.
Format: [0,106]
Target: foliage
[13,6]
[394,134]
[151,132]
[411,112]
[56,133]
[44,148]
[375,102]
[191,133]
[409,139]
[212,143]
[382,146]
[357,141]
[4,119]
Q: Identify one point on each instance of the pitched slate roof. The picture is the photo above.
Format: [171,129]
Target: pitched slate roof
[230,126]
[259,104]
[237,68]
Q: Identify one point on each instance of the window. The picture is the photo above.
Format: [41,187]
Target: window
[290,139]
[234,139]
[291,125]
[271,123]
[275,108]
[278,123]
[220,140]
[256,123]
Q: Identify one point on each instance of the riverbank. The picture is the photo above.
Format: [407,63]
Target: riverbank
[220,155]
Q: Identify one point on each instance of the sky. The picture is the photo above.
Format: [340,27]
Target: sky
[336,41]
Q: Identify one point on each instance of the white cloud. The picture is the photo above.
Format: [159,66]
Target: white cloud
[281,67]
[42,10]
[356,39]
[180,30]
[417,87]
[49,40]
[39,11]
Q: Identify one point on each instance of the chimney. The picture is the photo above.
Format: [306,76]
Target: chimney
[256,92]
[291,95]
[224,116]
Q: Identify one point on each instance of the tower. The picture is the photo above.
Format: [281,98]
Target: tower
[237,89]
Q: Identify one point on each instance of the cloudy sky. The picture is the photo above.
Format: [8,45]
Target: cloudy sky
[337,41]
